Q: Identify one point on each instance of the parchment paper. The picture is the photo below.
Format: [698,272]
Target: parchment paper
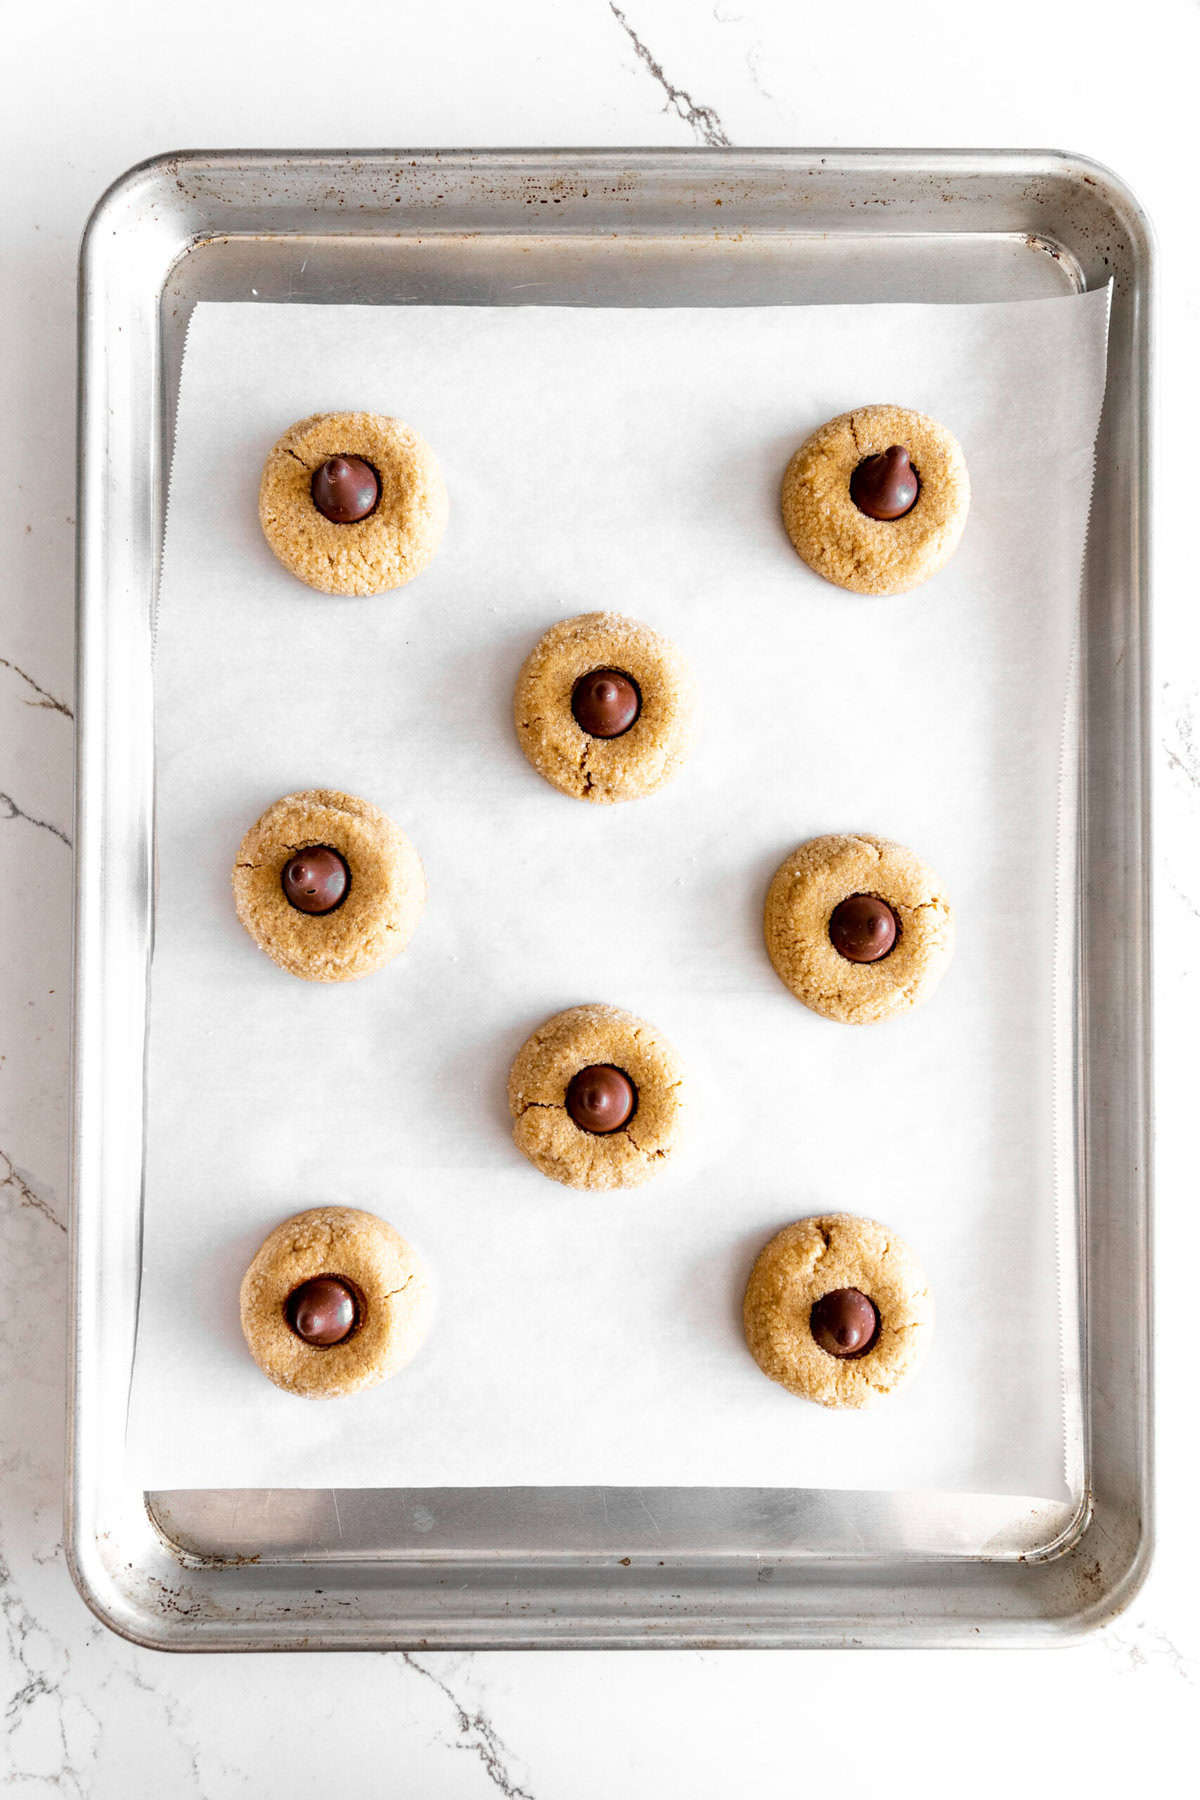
[626,459]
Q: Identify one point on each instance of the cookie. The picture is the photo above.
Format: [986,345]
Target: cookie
[598,1098]
[335,1300]
[900,542]
[605,708]
[837,1310]
[353,502]
[328,886]
[858,928]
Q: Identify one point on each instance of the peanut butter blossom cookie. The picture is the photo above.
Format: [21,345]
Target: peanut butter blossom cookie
[597,1098]
[353,503]
[328,886]
[604,708]
[837,1310]
[876,500]
[858,928]
[335,1300]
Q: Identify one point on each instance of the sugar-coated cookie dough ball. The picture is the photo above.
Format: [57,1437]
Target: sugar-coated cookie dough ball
[858,927]
[605,708]
[876,500]
[353,503]
[837,1310]
[598,1098]
[334,1300]
[328,886]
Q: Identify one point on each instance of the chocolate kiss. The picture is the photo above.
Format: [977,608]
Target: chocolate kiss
[885,486]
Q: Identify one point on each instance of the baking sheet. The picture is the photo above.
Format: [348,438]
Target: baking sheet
[625,459]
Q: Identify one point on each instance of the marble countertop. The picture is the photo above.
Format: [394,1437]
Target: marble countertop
[100,88]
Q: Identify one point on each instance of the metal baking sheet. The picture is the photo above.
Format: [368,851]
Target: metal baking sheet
[592,1567]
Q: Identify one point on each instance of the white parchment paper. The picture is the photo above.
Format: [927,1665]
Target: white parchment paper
[623,459]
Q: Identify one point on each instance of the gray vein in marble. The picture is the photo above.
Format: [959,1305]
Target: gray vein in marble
[1184,754]
[25,1193]
[174,1715]
[1186,898]
[18,812]
[478,1735]
[702,119]
[1137,1645]
[1183,763]
[31,1684]
[44,699]
[753,54]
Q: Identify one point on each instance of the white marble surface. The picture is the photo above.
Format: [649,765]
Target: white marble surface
[94,89]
